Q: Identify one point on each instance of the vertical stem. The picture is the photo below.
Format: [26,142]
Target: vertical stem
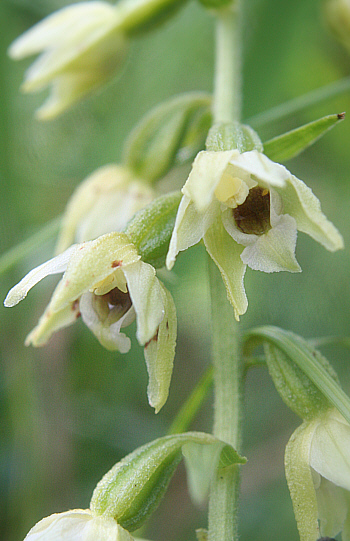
[228,376]
[228,367]
[227,83]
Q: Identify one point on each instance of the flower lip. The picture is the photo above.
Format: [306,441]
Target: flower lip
[253,215]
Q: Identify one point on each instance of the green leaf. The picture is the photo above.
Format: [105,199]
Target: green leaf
[133,488]
[171,133]
[151,228]
[290,144]
[308,359]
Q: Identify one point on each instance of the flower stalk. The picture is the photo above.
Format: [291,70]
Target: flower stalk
[228,367]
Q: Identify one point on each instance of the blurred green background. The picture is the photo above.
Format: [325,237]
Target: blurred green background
[70,410]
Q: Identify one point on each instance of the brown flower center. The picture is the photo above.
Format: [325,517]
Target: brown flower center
[253,216]
[118,298]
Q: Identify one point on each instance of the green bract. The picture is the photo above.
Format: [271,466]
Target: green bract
[133,488]
[170,134]
[287,146]
[107,283]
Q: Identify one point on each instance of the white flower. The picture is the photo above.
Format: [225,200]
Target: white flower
[247,209]
[317,463]
[106,283]
[102,203]
[82,47]
[77,525]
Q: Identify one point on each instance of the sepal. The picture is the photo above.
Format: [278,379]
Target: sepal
[133,488]
[289,145]
[171,133]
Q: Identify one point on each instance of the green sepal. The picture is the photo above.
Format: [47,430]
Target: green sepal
[287,146]
[131,491]
[233,135]
[215,4]
[141,16]
[170,134]
[292,356]
[151,228]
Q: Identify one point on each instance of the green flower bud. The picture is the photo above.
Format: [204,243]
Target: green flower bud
[232,136]
[133,488]
[170,134]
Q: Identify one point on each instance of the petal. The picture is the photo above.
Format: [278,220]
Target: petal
[147,299]
[333,507]
[303,205]
[91,264]
[55,265]
[159,355]
[267,172]
[190,226]
[207,170]
[108,335]
[330,451]
[60,25]
[51,322]
[226,254]
[274,251]
[77,525]
[300,481]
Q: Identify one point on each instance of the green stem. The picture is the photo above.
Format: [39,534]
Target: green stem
[227,84]
[228,378]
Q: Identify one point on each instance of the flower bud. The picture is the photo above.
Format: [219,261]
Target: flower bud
[102,203]
[337,14]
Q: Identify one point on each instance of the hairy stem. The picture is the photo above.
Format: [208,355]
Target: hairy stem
[228,378]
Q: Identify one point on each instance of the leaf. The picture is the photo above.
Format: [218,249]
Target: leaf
[133,488]
[290,144]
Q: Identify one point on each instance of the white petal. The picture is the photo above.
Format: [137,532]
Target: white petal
[274,251]
[303,205]
[146,295]
[333,507]
[108,335]
[91,264]
[51,322]
[207,170]
[77,525]
[55,265]
[330,451]
[226,254]
[61,25]
[159,355]
[190,226]
[257,165]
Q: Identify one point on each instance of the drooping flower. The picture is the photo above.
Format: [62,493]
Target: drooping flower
[82,46]
[102,203]
[106,282]
[78,525]
[317,463]
[247,209]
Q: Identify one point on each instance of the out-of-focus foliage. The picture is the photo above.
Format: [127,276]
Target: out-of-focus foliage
[70,410]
